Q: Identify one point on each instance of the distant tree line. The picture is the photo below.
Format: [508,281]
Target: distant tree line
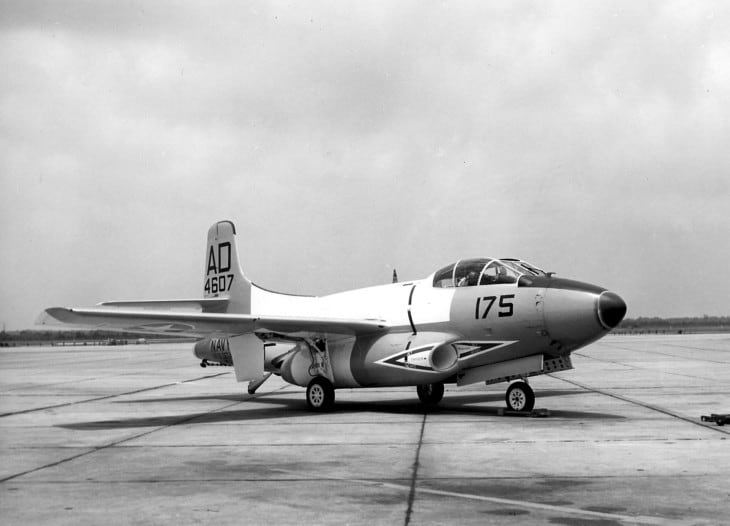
[11,338]
[675,325]
[704,321]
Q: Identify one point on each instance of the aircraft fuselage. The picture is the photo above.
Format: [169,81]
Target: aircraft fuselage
[434,333]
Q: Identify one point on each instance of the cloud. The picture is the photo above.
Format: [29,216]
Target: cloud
[344,139]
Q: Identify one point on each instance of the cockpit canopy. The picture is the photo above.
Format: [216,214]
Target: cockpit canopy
[486,271]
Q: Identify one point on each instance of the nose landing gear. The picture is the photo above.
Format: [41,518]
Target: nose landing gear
[520,397]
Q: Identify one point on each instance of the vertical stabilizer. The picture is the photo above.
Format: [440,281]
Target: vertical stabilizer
[224,277]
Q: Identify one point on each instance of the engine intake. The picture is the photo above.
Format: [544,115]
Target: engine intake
[441,358]
[444,358]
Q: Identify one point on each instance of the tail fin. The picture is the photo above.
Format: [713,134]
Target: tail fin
[224,277]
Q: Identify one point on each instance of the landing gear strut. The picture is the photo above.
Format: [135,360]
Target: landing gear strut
[321,389]
[430,394]
[520,397]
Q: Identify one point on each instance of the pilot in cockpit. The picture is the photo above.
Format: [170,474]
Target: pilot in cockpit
[470,280]
[501,275]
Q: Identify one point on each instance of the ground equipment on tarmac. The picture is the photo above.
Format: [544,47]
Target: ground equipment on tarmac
[720,420]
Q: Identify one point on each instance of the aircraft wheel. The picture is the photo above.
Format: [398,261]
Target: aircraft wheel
[430,394]
[320,394]
[520,397]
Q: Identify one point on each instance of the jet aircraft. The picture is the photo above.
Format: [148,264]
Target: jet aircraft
[477,320]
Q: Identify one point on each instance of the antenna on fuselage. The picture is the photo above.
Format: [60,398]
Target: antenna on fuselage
[395,276]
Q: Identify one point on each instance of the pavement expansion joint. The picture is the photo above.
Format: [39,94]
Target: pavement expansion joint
[414,476]
[133,437]
[106,397]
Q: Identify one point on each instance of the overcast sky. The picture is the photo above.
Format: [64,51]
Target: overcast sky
[345,139]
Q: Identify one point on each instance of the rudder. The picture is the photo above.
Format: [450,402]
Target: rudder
[224,277]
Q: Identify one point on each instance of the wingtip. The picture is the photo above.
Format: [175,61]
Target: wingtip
[52,316]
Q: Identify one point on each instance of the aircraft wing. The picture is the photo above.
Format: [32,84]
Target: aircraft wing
[200,324]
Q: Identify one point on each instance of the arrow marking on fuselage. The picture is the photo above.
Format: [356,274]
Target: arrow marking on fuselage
[400,359]
[410,358]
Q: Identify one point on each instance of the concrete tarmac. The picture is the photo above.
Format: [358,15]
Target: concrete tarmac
[140,434]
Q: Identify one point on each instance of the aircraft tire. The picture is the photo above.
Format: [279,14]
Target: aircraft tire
[320,394]
[520,397]
[430,394]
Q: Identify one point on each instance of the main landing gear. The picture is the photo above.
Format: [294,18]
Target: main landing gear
[520,397]
[320,394]
[320,391]
[430,394]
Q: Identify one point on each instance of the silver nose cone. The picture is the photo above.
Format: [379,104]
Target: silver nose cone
[611,309]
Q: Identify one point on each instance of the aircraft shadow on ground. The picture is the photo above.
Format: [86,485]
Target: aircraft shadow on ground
[276,406]
[457,398]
